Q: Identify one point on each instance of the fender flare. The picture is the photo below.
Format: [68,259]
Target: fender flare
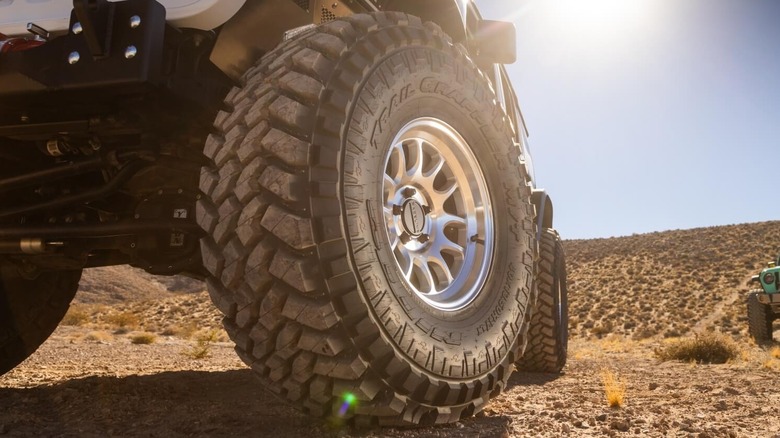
[544,211]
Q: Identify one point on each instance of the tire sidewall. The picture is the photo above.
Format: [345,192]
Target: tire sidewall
[485,332]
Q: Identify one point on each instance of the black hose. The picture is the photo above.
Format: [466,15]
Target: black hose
[48,175]
[121,177]
[125,228]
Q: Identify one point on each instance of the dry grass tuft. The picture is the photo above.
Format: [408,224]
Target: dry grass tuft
[772,364]
[708,347]
[184,330]
[614,389]
[99,336]
[202,347]
[143,338]
[75,317]
[123,320]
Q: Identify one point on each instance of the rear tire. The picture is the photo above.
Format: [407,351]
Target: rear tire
[760,318]
[30,310]
[303,243]
[548,336]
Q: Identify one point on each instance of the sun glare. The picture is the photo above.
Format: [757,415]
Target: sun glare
[597,21]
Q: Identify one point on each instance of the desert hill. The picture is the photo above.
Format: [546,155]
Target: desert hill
[657,284]
[667,283]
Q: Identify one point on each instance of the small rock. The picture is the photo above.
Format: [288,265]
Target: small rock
[731,390]
[591,422]
[558,405]
[653,386]
[565,428]
[579,424]
[602,417]
[621,425]
[459,425]
[721,405]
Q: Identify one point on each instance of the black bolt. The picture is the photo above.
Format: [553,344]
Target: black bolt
[409,192]
[405,238]
[475,238]
[397,209]
[423,238]
[426,209]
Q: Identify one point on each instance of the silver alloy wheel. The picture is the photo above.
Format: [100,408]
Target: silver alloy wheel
[438,214]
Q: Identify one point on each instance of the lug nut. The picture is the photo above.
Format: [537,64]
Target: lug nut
[73,58]
[423,238]
[397,210]
[409,192]
[135,21]
[405,238]
[76,28]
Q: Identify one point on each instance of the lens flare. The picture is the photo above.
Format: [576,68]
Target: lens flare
[348,400]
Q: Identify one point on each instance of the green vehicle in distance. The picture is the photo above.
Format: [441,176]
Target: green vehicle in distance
[763,305]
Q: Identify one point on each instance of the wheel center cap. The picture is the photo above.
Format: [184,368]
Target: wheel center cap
[413,217]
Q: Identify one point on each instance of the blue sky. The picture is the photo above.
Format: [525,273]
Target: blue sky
[650,115]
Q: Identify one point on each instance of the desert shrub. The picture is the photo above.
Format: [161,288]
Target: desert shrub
[184,331]
[123,319]
[143,338]
[708,347]
[614,388]
[202,347]
[75,317]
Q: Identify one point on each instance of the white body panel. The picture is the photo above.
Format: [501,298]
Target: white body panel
[54,15]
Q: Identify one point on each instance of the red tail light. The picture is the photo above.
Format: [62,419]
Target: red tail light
[17,44]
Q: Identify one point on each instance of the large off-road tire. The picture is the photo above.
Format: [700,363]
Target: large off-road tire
[548,335]
[331,164]
[30,310]
[760,318]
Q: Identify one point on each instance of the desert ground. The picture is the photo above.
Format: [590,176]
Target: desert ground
[139,355]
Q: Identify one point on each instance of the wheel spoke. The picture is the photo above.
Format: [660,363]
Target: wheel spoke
[394,242]
[440,197]
[409,263]
[442,243]
[397,163]
[416,149]
[446,219]
[443,267]
[431,174]
[390,185]
[427,275]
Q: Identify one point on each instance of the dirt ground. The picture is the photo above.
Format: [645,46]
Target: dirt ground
[77,386]
[90,380]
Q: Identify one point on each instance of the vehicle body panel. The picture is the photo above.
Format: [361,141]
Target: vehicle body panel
[770,280]
[54,15]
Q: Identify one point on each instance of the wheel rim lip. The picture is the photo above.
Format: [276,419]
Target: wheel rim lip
[470,271]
